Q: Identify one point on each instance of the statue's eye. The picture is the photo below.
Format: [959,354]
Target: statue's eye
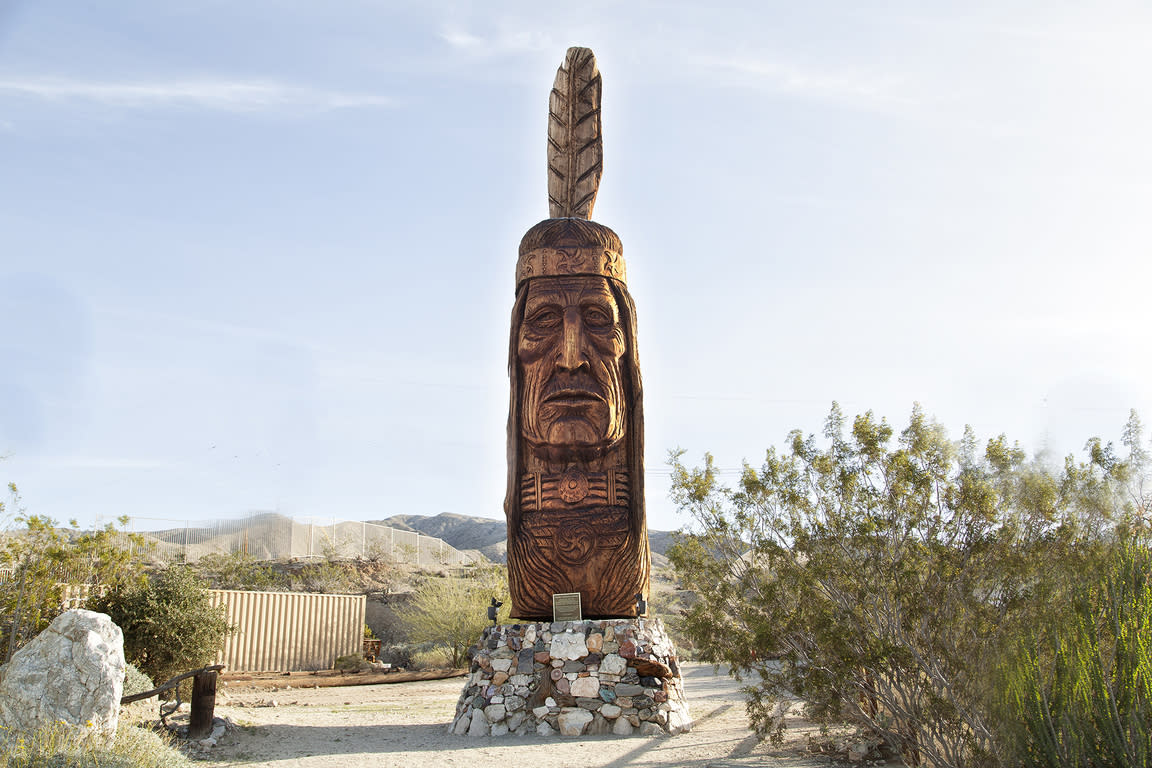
[544,319]
[597,318]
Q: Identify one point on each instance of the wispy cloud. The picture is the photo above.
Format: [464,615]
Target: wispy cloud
[106,462]
[790,78]
[228,95]
[164,323]
[460,38]
[502,41]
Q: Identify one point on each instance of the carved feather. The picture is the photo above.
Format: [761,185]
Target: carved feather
[575,148]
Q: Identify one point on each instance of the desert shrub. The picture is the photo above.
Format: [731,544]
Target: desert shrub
[237,570]
[326,577]
[436,657]
[59,747]
[399,655]
[348,663]
[44,560]
[452,612]
[169,623]
[882,583]
[136,681]
[1080,694]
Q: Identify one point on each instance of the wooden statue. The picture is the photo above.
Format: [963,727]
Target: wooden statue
[575,502]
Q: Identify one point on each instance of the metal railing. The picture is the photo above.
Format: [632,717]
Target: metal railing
[271,536]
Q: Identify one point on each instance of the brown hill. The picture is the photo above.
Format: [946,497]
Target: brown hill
[486,535]
[463,532]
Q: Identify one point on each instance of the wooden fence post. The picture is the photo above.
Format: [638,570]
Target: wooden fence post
[203,705]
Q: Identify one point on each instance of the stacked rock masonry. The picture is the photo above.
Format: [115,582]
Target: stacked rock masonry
[612,676]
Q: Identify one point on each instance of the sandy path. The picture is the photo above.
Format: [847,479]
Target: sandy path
[405,725]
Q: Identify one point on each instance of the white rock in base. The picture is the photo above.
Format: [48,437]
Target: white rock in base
[544,729]
[479,725]
[610,711]
[678,723]
[651,729]
[585,687]
[622,727]
[461,726]
[568,645]
[613,664]
[572,722]
[72,672]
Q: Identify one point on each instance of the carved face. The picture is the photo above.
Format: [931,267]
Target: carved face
[570,348]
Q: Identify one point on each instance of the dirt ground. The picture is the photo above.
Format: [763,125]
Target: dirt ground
[405,725]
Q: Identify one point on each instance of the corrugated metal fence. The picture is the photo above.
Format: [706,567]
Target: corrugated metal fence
[289,631]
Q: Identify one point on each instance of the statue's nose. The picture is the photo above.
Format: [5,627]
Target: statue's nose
[572,353]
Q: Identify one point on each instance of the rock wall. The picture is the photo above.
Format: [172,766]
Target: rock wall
[616,676]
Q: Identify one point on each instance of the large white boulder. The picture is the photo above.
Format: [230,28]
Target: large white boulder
[72,672]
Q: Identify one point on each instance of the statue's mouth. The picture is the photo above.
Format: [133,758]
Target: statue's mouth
[574,390]
[573,397]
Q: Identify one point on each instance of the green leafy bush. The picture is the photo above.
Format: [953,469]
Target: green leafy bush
[169,623]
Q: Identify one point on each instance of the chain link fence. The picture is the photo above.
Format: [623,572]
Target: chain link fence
[271,536]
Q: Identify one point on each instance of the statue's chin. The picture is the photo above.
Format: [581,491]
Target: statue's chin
[555,449]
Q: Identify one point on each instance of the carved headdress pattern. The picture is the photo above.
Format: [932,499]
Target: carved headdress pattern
[570,243]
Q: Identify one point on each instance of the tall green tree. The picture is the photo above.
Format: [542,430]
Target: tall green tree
[879,576]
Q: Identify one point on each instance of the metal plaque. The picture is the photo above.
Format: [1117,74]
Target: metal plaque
[566,607]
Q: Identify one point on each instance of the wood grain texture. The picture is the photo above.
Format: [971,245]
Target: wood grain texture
[575,498]
[575,506]
[575,145]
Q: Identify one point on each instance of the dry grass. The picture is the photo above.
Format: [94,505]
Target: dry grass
[58,746]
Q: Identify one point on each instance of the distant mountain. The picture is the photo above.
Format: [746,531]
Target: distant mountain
[463,532]
[488,536]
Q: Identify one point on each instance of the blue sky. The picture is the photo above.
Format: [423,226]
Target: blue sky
[260,255]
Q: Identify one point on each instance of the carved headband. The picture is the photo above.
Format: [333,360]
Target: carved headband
[570,260]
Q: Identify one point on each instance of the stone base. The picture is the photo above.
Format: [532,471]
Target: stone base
[600,676]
